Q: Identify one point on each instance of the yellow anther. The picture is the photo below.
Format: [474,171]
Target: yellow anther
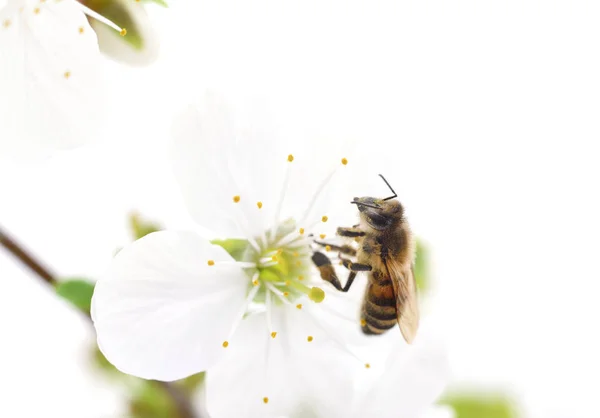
[344,161]
[324,219]
[6,23]
[327,248]
[296,254]
[279,251]
[287,282]
[81,29]
[290,158]
[225,344]
[322,236]
[300,278]
[298,263]
[367,366]
[299,306]
[67,74]
[123,32]
[236,199]
[255,282]
[363,322]
[266,400]
[309,338]
[211,262]
[301,231]
[259,204]
[274,258]
[316,294]
[36,11]
[286,294]
[273,334]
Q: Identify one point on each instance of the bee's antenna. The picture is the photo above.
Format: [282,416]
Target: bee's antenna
[365,204]
[388,185]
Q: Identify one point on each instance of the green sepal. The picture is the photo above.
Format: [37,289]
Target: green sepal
[77,291]
[141,227]
[235,247]
[480,405]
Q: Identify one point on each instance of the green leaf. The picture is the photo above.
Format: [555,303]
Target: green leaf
[479,406]
[141,227]
[151,400]
[421,268]
[235,247]
[191,383]
[77,291]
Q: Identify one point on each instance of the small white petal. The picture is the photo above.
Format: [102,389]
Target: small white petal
[50,78]
[287,369]
[413,380]
[161,312]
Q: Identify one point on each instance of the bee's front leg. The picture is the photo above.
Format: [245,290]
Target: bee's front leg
[352,232]
[344,249]
[354,267]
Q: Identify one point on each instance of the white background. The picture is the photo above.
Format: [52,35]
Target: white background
[485,118]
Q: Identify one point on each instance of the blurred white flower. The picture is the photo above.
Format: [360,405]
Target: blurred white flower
[173,304]
[50,76]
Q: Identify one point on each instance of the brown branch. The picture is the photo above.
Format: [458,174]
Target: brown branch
[180,399]
[25,258]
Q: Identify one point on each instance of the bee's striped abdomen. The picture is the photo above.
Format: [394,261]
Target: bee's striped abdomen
[379,305]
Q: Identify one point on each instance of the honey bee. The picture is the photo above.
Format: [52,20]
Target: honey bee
[386,250]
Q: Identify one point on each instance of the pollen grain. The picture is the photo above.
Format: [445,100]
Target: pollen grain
[225,344]
[327,248]
[211,262]
[344,161]
[322,236]
[301,230]
[266,400]
[309,338]
[236,199]
[273,334]
[290,158]
[299,306]
[259,204]
[123,32]
[324,219]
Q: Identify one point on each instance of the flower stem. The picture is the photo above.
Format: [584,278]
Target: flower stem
[180,399]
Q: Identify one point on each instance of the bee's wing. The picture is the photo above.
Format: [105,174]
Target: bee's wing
[407,306]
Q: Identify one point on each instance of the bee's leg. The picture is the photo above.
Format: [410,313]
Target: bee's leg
[354,267]
[326,269]
[350,232]
[344,249]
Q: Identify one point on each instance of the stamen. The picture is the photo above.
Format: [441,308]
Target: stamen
[324,219]
[299,306]
[301,231]
[6,23]
[259,204]
[225,344]
[284,188]
[67,74]
[316,294]
[36,11]
[211,262]
[266,399]
[322,236]
[309,338]
[241,313]
[236,199]
[367,366]
[102,19]
[273,334]
[327,248]
[241,264]
[81,30]
[344,161]
[317,194]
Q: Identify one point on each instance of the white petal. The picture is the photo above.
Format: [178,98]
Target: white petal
[292,372]
[439,411]
[161,312]
[50,78]
[112,44]
[414,378]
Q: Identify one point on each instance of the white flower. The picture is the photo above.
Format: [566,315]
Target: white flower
[411,380]
[173,304]
[50,77]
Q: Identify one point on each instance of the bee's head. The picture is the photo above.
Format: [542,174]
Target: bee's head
[380,214]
